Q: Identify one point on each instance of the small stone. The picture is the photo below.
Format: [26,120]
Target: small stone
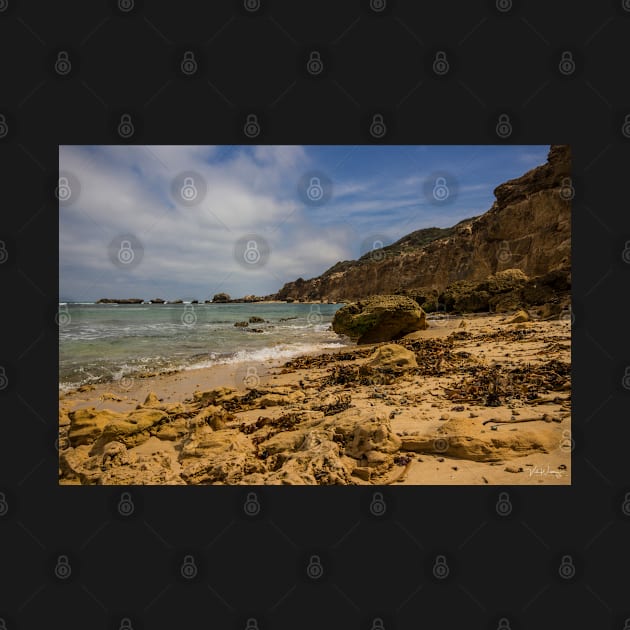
[362,472]
[440,459]
[513,469]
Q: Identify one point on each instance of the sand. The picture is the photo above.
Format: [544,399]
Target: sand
[441,400]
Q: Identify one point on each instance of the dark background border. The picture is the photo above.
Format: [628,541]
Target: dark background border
[373,61]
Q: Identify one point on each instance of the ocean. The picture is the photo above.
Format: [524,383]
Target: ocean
[107,342]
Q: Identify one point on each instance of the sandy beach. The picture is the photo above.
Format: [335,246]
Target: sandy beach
[472,399]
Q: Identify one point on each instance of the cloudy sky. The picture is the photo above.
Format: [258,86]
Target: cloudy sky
[191,221]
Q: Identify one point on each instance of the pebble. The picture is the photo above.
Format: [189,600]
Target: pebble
[444,416]
[513,469]
[440,459]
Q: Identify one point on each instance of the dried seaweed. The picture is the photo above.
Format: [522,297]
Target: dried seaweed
[495,385]
[341,403]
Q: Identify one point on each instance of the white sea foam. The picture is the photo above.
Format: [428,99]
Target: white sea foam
[272,353]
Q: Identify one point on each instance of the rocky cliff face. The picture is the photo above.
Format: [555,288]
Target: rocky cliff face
[528,228]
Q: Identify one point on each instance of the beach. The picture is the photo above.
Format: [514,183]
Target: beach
[474,399]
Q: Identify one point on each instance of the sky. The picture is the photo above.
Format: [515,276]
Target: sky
[187,222]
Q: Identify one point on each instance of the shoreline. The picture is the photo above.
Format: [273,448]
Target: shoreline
[315,396]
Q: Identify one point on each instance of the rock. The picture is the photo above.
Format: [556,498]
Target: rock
[110,396]
[255,319]
[157,301]
[241,324]
[318,460]
[154,468]
[217,457]
[194,302]
[503,281]
[120,301]
[213,416]
[465,296]
[151,400]
[460,437]
[176,302]
[549,310]
[379,318]
[506,302]
[519,317]
[513,469]
[369,436]
[64,419]
[214,396]
[392,357]
[362,472]
[221,298]
[87,424]
[112,454]
[71,462]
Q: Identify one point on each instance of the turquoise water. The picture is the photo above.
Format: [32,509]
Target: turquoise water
[106,342]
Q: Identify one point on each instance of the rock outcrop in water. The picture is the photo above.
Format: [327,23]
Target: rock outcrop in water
[120,301]
[527,228]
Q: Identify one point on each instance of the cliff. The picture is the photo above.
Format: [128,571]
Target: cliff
[528,227]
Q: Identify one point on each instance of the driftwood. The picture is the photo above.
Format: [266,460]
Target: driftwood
[544,418]
[400,477]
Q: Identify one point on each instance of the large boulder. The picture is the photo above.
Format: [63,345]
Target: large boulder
[379,318]
[221,298]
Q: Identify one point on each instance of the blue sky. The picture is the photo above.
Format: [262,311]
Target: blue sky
[255,216]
